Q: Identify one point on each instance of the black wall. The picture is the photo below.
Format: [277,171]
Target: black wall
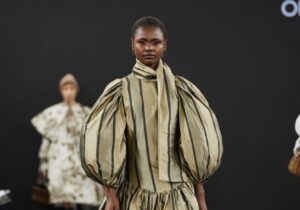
[243,55]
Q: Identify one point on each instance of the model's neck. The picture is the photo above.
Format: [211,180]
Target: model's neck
[69,103]
[154,66]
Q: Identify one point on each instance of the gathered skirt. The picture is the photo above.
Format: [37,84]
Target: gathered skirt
[131,197]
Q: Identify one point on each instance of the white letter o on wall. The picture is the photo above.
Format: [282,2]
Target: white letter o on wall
[287,13]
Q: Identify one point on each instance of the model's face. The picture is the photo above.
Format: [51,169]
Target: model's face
[68,93]
[148,45]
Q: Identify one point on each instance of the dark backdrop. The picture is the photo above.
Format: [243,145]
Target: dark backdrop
[243,55]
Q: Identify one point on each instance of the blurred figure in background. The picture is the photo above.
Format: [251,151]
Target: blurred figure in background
[297,128]
[60,168]
[5,199]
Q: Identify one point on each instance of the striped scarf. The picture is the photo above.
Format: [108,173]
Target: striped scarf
[167,114]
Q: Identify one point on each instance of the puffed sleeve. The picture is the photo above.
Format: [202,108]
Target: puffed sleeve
[102,143]
[200,144]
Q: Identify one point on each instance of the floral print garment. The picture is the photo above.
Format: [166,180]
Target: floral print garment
[60,127]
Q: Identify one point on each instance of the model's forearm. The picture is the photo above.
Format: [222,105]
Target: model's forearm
[112,202]
[109,191]
[199,189]
[200,194]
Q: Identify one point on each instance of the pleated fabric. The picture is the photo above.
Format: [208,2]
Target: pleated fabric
[152,135]
[181,197]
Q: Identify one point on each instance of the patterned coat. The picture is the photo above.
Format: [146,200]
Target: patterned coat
[60,127]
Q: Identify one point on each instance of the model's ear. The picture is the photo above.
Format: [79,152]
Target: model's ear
[165,45]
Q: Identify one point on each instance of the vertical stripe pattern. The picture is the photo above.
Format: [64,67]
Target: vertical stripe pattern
[146,136]
[162,128]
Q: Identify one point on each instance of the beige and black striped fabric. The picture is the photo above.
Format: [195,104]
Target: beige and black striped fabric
[152,135]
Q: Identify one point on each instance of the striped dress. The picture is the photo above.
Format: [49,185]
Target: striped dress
[153,136]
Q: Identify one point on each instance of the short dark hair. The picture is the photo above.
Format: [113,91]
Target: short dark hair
[146,22]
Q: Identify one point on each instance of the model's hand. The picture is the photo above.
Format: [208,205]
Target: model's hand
[112,202]
[200,195]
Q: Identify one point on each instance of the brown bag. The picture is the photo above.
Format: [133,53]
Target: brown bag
[294,165]
[40,194]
